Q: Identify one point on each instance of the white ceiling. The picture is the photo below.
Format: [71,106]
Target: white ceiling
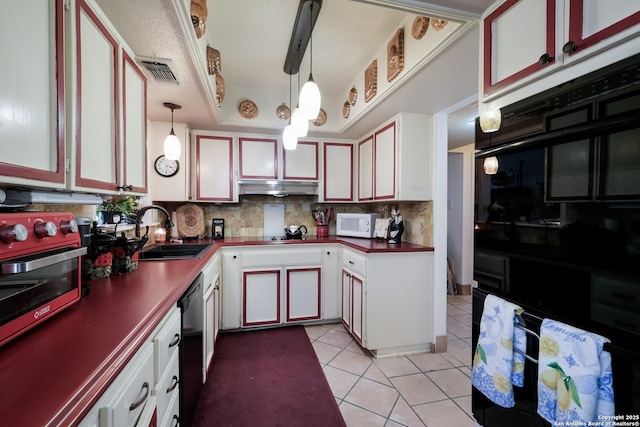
[253,36]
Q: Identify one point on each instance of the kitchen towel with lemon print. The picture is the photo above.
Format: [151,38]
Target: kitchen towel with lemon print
[496,366]
[575,381]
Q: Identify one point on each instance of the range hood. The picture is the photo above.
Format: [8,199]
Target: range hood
[53,197]
[278,188]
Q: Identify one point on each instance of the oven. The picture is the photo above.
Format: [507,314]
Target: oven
[40,254]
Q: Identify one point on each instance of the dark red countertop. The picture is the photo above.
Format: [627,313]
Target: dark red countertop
[53,374]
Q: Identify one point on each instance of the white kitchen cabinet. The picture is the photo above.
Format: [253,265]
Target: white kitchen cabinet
[148,384]
[301,164]
[279,285]
[261,297]
[214,169]
[394,163]
[303,294]
[124,401]
[258,158]
[385,298]
[33,93]
[211,276]
[331,281]
[524,40]
[231,289]
[354,267]
[337,177]
[109,148]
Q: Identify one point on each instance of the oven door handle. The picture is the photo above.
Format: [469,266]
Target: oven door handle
[34,264]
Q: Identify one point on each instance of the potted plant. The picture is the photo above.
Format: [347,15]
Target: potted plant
[118,209]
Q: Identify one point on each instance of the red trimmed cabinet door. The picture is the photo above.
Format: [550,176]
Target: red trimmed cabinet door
[303,293]
[518,40]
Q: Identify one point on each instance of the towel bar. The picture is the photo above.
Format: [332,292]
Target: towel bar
[530,332]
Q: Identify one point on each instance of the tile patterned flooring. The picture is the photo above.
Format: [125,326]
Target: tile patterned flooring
[418,390]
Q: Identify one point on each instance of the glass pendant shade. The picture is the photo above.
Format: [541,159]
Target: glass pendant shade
[289,138]
[299,122]
[490,165]
[172,146]
[490,120]
[310,99]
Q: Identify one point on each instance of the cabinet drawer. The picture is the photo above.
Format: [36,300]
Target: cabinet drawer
[615,292]
[126,398]
[167,387]
[166,342]
[354,262]
[277,258]
[172,414]
[618,317]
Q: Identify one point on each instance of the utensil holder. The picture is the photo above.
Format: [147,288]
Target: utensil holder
[322,231]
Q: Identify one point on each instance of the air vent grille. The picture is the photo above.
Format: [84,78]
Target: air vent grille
[161,71]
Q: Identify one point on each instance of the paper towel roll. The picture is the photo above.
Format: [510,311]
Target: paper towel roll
[174,229]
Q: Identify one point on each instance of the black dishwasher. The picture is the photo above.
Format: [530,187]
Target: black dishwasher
[191,307]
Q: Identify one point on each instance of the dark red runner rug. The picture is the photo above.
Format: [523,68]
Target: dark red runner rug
[270,377]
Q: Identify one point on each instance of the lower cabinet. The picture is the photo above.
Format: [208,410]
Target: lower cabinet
[212,278]
[268,286]
[146,390]
[385,300]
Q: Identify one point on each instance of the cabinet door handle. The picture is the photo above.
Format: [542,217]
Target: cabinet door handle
[216,287]
[176,341]
[569,47]
[177,420]
[623,296]
[545,58]
[351,262]
[144,393]
[173,385]
[125,187]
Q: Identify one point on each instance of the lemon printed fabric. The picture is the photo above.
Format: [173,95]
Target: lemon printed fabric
[575,381]
[496,367]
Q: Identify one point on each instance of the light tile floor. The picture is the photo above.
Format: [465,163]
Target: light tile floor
[418,390]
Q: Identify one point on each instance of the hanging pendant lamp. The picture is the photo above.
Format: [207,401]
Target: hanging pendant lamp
[310,99]
[289,137]
[299,120]
[172,143]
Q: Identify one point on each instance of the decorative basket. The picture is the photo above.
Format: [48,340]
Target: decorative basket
[199,16]
[214,63]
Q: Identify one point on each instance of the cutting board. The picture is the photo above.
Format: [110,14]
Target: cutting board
[190,221]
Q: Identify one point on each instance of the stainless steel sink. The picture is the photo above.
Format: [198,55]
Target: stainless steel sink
[168,252]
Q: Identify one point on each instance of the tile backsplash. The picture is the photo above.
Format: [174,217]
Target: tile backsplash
[246,218]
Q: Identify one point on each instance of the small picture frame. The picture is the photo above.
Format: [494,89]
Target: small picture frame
[395,55]
[371,81]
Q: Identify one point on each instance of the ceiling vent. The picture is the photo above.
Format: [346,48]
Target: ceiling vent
[160,70]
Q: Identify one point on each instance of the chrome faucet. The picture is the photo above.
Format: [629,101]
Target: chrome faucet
[141,212]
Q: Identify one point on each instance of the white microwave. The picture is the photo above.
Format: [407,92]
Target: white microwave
[356,224]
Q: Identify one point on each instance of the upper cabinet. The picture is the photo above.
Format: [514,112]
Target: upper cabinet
[394,163]
[524,40]
[110,126]
[301,164]
[258,158]
[33,93]
[337,176]
[214,160]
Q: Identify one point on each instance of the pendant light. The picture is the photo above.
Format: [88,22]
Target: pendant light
[289,137]
[299,121]
[310,99]
[172,143]
[490,164]
[490,121]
